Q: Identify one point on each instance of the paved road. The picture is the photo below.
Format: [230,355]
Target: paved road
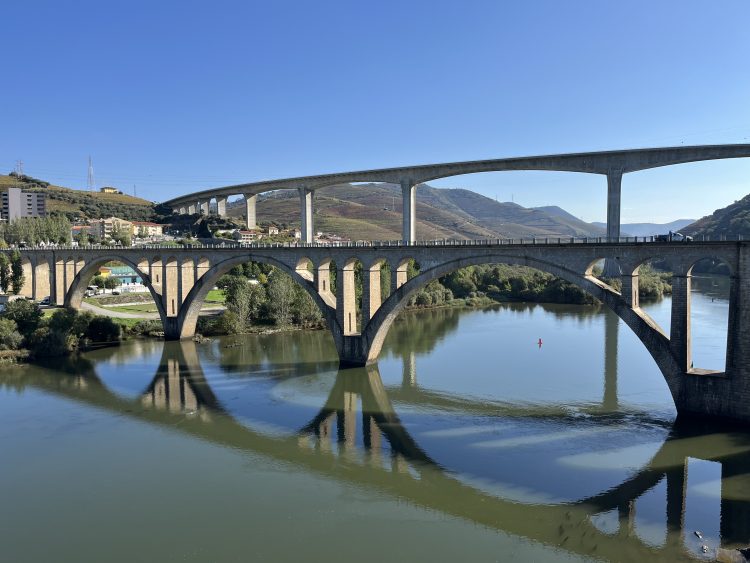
[212,310]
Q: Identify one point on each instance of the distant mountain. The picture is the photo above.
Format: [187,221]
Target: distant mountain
[648,229]
[731,221]
[373,211]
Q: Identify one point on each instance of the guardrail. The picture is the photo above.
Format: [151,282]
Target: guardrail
[557,241]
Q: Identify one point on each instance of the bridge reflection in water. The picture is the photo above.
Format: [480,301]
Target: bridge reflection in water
[386,457]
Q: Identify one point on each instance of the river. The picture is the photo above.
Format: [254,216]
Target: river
[467,441]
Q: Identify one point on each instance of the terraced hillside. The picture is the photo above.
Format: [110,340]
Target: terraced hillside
[375,213]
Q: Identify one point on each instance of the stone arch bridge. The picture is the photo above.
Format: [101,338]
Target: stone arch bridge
[179,279]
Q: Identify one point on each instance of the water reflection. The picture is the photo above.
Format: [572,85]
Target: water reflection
[356,435]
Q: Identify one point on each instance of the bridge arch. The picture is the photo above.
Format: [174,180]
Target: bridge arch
[654,340]
[74,295]
[187,318]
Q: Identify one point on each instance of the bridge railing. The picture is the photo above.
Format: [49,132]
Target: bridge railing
[393,243]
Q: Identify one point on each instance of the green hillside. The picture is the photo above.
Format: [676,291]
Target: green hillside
[730,221]
[81,204]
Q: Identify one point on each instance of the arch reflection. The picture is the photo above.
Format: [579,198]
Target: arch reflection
[357,436]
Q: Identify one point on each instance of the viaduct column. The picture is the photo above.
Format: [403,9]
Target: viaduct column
[614,183]
[221,206]
[250,219]
[409,195]
[192,209]
[181,210]
[679,332]
[306,205]
[204,206]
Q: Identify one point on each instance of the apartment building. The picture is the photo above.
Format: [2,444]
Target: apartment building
[17,203]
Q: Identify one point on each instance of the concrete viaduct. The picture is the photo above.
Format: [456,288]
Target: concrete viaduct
[612,164]
[180,278]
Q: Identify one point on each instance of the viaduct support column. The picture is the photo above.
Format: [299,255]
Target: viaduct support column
[192,209]
[204,206]
[371,298]
[409,194]
[346,305]
[679,332]
[221,206]
[306,205]
[181,210]
[614,183]
[250,219]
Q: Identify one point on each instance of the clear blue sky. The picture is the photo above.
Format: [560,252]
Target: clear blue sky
[180,96]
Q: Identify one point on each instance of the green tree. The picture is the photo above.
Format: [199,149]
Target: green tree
[83,237]
[25,314]
[111,282]
[281,297]
[16,273]
[103,329]
[4,272]
[98,281]
[10,338]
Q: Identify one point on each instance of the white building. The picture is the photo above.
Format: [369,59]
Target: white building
[16,203]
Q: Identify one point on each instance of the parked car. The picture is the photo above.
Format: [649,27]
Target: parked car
[115,292]
[45,301]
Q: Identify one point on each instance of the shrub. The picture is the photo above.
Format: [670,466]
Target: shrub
[25,314]
[103,329]
[10,338]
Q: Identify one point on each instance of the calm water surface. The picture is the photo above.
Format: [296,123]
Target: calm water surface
[468,441]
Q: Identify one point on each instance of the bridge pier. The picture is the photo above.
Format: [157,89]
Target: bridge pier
[371,294]
[346,304]
[204,206]
[409,207]
[614,198]
[221,206]
[250,219]
[679,332]
[306,211]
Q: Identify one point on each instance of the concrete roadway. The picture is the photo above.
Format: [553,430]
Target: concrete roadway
[206,311]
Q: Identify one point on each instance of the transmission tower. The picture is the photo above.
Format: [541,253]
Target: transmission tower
[19,168]
[90,183]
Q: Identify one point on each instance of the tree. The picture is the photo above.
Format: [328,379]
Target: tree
[25,314]
[4,272]
[111,282]
[98,281]
[16,273]
[281,297]
[83,237]
[10,338]
[307,312]
[103,329]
